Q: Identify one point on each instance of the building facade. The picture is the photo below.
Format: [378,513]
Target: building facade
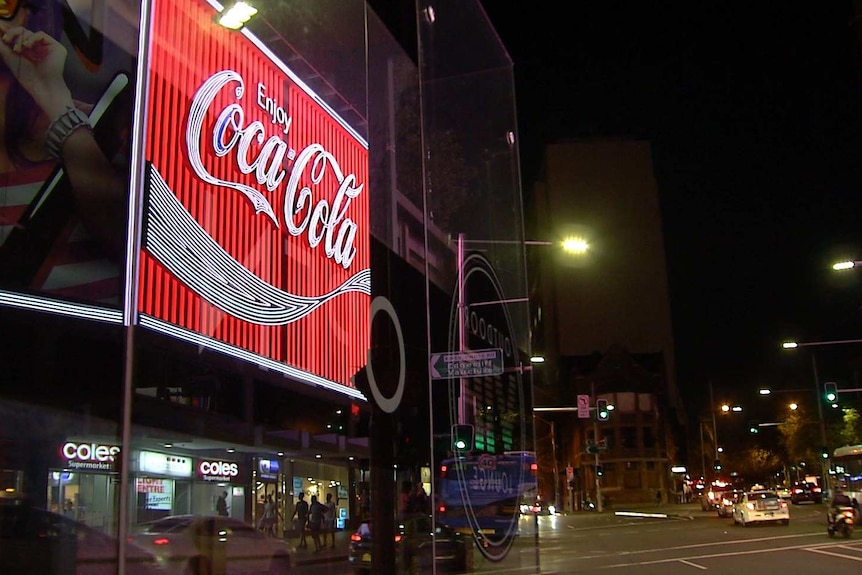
[603,322]
[229,257]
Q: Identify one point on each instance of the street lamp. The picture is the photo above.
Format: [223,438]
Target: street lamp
[846,265]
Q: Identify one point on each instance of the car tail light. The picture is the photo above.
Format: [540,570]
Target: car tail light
[782,504]
[797,490]
[161,541]
[815,490]
[442,508]
[355,537]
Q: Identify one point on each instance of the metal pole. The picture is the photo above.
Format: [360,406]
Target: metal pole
[462,336]
[599,506]
[824,462]
[702,452]
[714,429]
[556,468]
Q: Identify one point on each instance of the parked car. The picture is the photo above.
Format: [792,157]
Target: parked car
[34,540]
[760,506]
[805,491]
[212,544]
[413,547]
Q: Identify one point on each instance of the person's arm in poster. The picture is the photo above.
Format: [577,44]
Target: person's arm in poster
[37,60]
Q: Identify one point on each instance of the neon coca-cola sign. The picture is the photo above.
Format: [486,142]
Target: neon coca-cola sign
[256,205]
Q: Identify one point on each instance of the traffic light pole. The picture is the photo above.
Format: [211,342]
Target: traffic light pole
[599,506]
[825,461]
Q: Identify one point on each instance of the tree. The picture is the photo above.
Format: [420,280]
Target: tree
[851,430]
[756,464]
[800,436]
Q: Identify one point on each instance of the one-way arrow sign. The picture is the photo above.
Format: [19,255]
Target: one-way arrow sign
[471,363]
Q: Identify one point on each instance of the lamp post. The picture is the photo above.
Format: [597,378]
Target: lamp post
[794,345]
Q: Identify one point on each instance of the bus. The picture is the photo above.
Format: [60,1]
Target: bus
[481,494]
[847,466]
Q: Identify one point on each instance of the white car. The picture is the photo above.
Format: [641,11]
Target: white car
[211,544]
[759,506]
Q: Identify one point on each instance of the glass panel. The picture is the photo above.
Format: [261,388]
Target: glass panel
[482,341]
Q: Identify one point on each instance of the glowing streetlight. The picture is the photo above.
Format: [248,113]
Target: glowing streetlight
[846,265]
[793,406]
[576,245]
[725,408]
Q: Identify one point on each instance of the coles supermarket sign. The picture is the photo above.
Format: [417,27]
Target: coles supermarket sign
[256,233]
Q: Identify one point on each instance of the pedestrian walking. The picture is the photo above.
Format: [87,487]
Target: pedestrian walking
[300,513]
[315,521]
[329,520]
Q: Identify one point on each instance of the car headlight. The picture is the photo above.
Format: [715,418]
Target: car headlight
[750,506]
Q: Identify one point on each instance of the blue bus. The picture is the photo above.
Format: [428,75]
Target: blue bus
[481,495]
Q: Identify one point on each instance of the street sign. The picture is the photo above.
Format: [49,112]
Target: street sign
[583,406]
[472,363]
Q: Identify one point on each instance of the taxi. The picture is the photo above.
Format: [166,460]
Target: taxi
[760,505]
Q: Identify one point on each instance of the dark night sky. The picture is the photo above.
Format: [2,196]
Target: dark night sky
[755,121]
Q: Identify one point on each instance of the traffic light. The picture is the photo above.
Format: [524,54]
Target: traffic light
[754,427]
[337,422]
[830,389]
[462,437]
[602,412]
[824,452]
[599,471]
[716,464]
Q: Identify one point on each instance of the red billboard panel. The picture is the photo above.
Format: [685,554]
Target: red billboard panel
[256,234]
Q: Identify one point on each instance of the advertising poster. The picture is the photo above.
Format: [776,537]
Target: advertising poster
[256,236]
[65,153]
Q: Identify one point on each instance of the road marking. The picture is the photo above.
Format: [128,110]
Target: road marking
[721,555]
[710,544]
[689,563]
[842,556]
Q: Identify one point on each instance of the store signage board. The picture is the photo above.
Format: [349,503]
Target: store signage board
[475,363]
[257,236]
[164,464]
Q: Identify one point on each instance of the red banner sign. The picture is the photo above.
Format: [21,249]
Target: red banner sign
[256,209]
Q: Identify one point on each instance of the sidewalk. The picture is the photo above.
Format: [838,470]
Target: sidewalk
[308,556]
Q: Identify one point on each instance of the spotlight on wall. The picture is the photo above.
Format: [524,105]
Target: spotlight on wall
[237,15]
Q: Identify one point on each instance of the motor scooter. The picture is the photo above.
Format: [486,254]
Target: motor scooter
[842,522]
